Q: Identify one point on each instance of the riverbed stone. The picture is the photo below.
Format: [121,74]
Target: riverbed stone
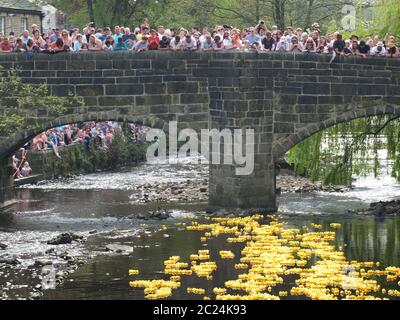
[380,208]
[119,248]
[9,261]
[65,238]
[42,262]
[160,214]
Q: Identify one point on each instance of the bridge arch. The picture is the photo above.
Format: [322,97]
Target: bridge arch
[16,141]
[283,145]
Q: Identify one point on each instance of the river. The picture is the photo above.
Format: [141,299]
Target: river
[103,208]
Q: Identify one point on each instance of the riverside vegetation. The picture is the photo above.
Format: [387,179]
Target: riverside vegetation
[79,159]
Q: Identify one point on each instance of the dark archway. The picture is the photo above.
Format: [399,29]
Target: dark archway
[11,144]
[14,142]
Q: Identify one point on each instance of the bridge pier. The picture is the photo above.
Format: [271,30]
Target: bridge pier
[255,192]
[249,187]
[7,194]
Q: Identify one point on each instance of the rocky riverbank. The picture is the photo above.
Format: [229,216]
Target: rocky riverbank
[290,183]
[185,191]
[28,276]
[25,275]
[197,191]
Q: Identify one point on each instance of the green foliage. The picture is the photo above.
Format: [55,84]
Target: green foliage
[342,151]
[78,159]
[10,122]
[117,153]
[189,13]
[382,18]
[387,18]
[24,102]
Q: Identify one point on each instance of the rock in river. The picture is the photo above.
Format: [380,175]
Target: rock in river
[12,261]
[42,263]
[119,248]
[3,246]
[160,214]
[64,238]
[380,209]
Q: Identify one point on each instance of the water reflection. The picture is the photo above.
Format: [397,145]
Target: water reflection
[362,239]
[102,201]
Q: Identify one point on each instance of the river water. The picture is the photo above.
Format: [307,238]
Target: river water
[102,207]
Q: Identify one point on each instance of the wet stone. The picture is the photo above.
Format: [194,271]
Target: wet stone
[10,261]
[118,248]
[65,238]
[379,209]
[42,263]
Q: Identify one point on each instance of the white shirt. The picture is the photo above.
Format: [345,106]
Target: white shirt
[175,45]
[188,45]
[375,52]
[282,46]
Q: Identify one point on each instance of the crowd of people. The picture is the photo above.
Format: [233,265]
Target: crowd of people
[225,37]
[100,134]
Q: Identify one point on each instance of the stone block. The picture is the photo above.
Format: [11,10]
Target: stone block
[124,89]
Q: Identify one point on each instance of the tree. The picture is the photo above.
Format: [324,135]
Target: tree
[21,102]
[387,18]
[89,4]
[336,154]
[110,12]
[188,13]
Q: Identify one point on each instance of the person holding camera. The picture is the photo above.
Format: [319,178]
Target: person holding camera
[295,46]
[310,46]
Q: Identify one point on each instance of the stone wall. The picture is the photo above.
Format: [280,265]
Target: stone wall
[283,97]
[13,23]
[6,185]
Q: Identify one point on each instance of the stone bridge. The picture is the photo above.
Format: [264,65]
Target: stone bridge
[284,97]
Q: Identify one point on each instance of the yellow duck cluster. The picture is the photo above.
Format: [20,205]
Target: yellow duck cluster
[226,254]
[133,272]
[196,291]
[272,252]
[156,289]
